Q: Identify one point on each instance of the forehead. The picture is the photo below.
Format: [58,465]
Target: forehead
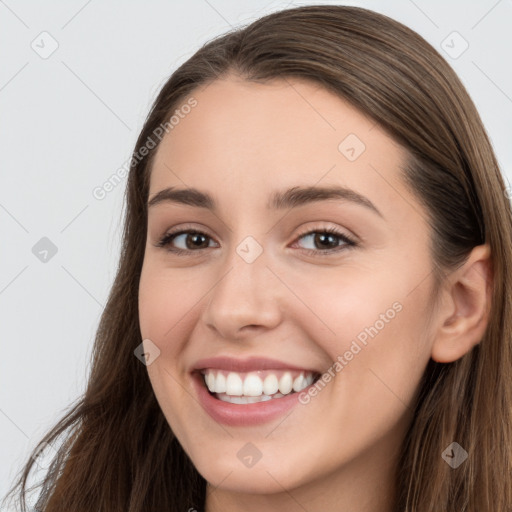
[259,136]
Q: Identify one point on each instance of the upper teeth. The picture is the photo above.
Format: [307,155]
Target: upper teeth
[255,383]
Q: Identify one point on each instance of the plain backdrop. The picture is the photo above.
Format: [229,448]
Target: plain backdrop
[77,79]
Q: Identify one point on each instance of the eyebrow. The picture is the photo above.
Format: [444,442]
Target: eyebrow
[291,198]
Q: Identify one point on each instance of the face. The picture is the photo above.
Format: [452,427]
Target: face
[259,296]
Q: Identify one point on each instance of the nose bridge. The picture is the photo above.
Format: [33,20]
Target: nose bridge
[245,293]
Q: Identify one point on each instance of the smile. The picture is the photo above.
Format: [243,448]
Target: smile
[255,386]
[251,391]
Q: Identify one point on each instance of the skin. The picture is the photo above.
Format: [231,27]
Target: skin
[242,142]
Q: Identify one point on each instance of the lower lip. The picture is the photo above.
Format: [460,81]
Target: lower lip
[241,415]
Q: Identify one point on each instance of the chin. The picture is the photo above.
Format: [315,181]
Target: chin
[264,477]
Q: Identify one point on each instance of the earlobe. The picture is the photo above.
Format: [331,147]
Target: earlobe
[466,306]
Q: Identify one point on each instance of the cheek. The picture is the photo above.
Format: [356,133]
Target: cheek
[374,329]
[346,306]
[163,307]
[162,303]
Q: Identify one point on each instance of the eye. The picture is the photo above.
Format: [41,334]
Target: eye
[327,239]
[193,240]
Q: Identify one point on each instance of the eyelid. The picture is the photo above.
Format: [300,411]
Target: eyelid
[328,228]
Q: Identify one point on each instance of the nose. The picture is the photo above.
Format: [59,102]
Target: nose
[246,298]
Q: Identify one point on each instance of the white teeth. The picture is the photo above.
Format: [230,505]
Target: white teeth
[247,399]
[220,383]
[252,386]
[286,383]
[210,381]
[234,385]
[270,384]
[243,399]
[299,383]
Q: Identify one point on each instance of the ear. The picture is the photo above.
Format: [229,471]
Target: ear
[466,303]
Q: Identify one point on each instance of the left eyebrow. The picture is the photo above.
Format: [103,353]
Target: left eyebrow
[291,198]
[298,196]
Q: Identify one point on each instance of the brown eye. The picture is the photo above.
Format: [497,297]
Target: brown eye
[326,241]
[190,240]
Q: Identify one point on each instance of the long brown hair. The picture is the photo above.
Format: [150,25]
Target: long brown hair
[119,453]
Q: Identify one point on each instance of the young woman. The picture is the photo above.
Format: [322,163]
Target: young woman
[312,309]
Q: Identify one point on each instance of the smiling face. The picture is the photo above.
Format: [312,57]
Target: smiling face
[261,278]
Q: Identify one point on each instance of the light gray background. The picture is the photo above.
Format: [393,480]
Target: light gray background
[70,120]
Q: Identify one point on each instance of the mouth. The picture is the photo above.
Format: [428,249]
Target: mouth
[252,387]
[251,391]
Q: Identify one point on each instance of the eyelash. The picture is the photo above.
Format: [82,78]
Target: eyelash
[349,242]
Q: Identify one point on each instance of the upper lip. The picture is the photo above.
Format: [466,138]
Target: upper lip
[246,365]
